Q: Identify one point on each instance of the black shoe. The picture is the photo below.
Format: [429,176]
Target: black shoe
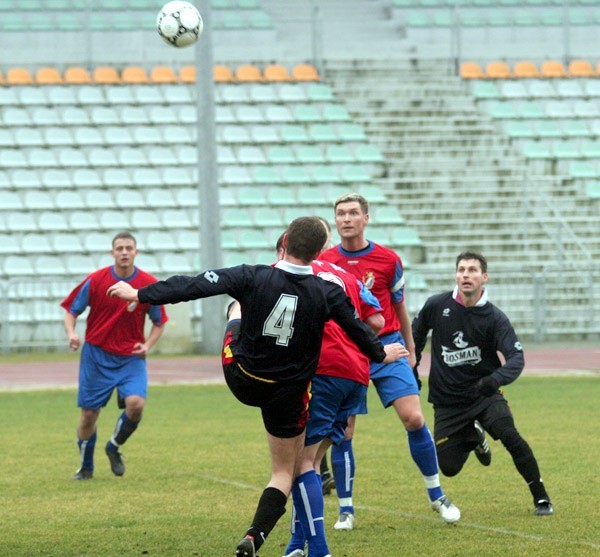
[246,548]
[83,474]
[116,460]
[543,507]
[482,450]
[327,482]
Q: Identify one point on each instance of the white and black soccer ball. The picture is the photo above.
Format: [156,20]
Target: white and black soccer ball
[179,23]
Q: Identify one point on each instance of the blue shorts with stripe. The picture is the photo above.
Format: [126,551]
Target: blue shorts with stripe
[333,401]
[394,380]
[101,372]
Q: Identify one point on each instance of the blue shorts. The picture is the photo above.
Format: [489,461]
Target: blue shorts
[394,380]
[101,372]
[334,400]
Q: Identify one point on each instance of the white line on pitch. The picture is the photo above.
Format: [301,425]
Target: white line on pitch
[413,516]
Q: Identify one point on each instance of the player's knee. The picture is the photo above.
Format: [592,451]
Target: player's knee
[505,430]
[413,421]
[134,406]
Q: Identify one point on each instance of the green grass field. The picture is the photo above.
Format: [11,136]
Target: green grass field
[198,464]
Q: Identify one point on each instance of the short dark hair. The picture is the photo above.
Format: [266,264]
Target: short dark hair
[124,235]
[349,197]
[279,243]
[306,236]
[473,255]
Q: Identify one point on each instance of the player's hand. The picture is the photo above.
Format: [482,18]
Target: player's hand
[487,386]
[394,352]
[74,342]
[123,290]
[140,349]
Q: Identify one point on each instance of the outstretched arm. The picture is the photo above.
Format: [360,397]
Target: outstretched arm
[124,291]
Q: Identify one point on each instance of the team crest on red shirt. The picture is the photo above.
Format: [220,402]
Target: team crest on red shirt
[131,306]
[369,279]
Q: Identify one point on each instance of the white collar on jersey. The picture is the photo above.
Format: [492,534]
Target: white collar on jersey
[481,302]
[296,269]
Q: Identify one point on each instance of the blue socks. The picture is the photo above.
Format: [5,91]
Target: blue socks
[422,450]
[86,450]
[307,494]
[342,462]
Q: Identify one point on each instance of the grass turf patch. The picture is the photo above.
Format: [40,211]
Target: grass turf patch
[198,463]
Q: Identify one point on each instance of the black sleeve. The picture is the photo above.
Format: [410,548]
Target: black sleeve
[182,288]
[345,315]
[420,330]
[507,343]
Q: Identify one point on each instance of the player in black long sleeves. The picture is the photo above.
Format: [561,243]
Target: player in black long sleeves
[271,350]
[466,374]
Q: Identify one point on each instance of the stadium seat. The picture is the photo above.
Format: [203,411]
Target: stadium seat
[163,74]
[525,69]
[19,76]
[222,74]
[134,74]
[305,72]
[498,70]
[541,89]
[553,68]
[248,72]
[48,76]
[105,75]
[592,189]
[280,154]
[276,72]
[187,74]
[485,90]
[471,70]
[76,75]
[580,68]
[292,93]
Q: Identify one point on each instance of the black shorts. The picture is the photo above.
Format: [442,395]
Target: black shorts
[450,422]
[284,405]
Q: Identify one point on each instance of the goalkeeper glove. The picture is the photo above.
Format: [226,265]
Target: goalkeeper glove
[488,386]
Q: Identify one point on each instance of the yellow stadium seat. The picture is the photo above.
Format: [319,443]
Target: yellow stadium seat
[77,75]
[498,70]
[187,74]
[134,74]
[163,74]
[553,68]
[305,72]
[248,72]
[48,76]
[222,74]
[106,75]
[19,76]
[580,68]
[525,69]
[471,70]
[276,72]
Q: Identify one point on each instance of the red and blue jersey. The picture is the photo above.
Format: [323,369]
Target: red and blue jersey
[340,357]
[113,324]
[380,270]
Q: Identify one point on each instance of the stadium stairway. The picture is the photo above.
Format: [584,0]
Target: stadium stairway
[461,183]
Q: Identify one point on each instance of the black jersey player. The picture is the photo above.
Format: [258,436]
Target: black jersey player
[271,350]
[466,374]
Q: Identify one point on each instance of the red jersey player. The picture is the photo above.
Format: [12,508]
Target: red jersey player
[114,354]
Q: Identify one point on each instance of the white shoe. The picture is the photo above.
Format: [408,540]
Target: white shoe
[296,553]
[448,511]
[345,522]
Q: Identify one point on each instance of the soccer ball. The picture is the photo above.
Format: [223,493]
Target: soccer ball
[179,23]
